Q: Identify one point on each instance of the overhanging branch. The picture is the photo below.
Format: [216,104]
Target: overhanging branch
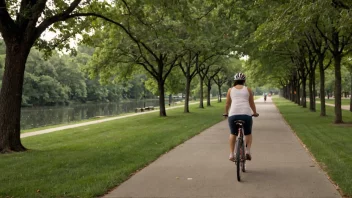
[172,65]
[59,17]
[126,5]
[7,25]
[321,32]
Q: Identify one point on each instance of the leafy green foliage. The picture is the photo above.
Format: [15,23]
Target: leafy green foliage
[154,35]
[62,79]
[174,84]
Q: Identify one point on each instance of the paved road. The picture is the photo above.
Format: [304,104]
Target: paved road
[281,167]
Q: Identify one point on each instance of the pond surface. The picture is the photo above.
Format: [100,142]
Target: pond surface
[34,117]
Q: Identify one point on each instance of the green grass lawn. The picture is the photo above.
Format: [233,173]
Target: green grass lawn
[88,161]
[330,144]
[344,101]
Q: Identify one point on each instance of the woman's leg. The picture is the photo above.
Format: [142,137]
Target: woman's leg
[248,142]
[232,143]
[249,137]
[232,137]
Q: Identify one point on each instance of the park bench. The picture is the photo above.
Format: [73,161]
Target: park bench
[149,108]
[144,109]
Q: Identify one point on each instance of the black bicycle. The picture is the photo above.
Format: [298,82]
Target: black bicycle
[240,158]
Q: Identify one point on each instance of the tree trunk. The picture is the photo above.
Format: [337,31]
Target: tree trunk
[11,97]
[161,88]
[298,96]
[292,87]
[286,92]
[170,100]
[188,90]
[351,91]
[219,88]
[314,94]
[313,103]
[311,91]
[201,105]
[208,96]
[296,89]
[337,92]
[322,87]
[304,92]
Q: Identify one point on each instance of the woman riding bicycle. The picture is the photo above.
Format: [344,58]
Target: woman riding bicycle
[239,106]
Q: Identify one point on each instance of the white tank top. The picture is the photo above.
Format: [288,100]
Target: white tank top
[240,102]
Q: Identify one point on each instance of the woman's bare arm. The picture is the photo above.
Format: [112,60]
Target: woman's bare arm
[251,102]
[228,102]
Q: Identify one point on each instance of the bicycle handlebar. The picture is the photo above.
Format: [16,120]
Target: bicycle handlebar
[253,115]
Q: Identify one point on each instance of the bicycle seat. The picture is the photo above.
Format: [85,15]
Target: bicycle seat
[240,122]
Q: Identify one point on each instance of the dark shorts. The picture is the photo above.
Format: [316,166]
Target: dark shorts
[247,126]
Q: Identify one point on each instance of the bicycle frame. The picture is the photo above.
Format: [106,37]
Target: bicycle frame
[240,139]
[240,131]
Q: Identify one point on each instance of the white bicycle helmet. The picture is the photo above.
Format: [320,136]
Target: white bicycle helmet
[239,76]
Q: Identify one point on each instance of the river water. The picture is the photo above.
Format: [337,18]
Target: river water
[33,117]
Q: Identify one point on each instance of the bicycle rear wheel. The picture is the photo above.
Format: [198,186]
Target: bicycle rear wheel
[243,158]
[238,158]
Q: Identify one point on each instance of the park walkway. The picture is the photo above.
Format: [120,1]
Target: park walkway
[70,126]
[281,166]
[344,107]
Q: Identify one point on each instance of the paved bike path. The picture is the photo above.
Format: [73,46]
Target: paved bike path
[344,107]
[70,126]
[281,167]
